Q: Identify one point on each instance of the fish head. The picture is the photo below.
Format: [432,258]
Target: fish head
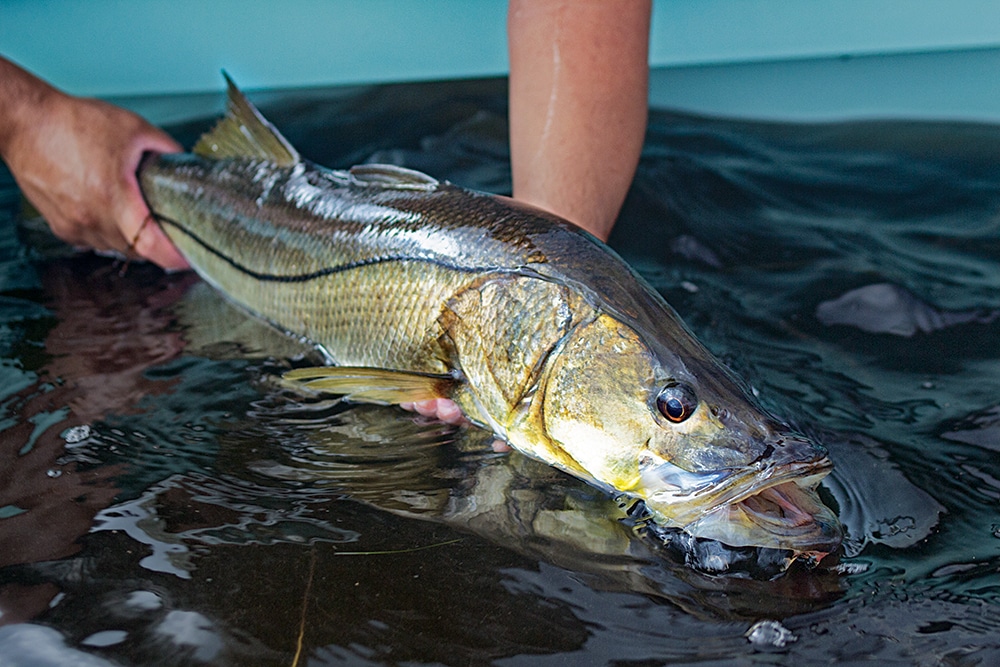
[668,424]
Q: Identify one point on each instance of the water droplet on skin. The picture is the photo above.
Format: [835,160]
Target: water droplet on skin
[770,634]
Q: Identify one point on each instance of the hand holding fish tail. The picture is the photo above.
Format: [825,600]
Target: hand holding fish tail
[75,160]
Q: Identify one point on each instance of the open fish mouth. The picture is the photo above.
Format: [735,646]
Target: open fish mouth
[760,536]
[757,522]
[784,514]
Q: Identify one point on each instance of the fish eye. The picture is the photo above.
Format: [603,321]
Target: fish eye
[676,401]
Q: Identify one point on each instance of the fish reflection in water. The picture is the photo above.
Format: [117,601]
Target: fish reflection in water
[421,469]
[306,493]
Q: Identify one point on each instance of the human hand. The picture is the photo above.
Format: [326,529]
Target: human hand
[75,160]
[447,411]
[442,409]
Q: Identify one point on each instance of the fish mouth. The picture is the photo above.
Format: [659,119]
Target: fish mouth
[788,516]
[774,511]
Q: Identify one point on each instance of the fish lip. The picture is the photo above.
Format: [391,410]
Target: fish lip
[806,475]
[802,525]
[729,486]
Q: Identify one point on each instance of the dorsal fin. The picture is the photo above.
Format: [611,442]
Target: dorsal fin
[391,176]
[244,133]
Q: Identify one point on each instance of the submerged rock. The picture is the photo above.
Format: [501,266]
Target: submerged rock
[888,308]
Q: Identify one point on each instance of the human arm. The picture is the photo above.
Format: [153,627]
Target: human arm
[75,160]
[578,104]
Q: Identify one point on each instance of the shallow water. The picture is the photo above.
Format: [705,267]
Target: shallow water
[163,500]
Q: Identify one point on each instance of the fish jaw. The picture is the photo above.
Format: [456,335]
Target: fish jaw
[770,504]
[774,507]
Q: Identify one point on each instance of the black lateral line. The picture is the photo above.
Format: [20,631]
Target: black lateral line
[306,277]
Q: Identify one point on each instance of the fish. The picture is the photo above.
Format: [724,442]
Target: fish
[415,288]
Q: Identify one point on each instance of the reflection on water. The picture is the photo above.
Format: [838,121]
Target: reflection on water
[165,500]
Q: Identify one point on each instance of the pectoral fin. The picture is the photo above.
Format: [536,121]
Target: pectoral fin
[373,385]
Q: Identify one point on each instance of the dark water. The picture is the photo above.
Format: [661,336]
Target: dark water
[164,501]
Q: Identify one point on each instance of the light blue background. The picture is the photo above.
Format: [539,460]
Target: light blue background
[794,58]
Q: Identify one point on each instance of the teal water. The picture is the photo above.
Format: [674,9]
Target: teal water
[164,501]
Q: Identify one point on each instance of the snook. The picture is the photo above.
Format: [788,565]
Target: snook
[418,289]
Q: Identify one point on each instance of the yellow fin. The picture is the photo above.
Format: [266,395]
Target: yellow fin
[373,385]
[244,133]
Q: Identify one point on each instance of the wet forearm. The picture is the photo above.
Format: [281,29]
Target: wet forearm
[578,104]
[21,96]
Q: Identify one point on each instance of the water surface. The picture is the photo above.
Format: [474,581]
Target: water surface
[164,500]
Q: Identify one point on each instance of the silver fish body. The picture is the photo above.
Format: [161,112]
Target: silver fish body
[417,288]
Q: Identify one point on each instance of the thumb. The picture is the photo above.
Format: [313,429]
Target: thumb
[135,220]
